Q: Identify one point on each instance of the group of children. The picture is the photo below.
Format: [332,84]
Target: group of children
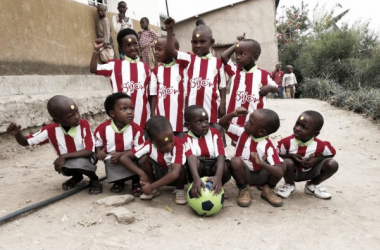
[167,125]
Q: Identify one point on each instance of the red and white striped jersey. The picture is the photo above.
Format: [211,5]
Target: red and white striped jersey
[62,142]
[176,156]
[208,146]
[132,79]
[246,144]
[168,84]
[317,147]
[204,79]
[245,87]
[111,141]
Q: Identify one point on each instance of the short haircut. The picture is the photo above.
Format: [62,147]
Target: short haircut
[204,28]
[255,45]
[176,43]
[126,32]
[145,18]
[317,119]
[56,103]
[101,6]
[157,125]
[199,22]
[110,101]
[271,121]
[189,111]
[121,2]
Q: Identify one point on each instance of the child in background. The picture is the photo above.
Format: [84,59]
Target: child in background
[121,21]
[206,83]
[71,138]
[147,38]
[167,87]
[249,84]
[204,151]
[130,76]
[256,161]
[289,82]
[115,137]
[161,160]
[103,30]
[277,75]
[306,157]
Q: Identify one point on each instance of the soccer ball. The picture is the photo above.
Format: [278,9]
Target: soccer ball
[208,203]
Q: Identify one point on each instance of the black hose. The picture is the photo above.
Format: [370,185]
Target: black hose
[45,202]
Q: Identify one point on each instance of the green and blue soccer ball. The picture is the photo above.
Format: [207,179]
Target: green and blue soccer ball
[208,203]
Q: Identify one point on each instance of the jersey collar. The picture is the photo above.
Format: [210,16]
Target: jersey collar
[303,144]
[253,69]
[113,126]
[259,139]
[72,131]
[168,65]
[208,56]
[128,59]
[190,133]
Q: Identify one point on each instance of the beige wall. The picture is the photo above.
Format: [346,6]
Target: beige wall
[52,37]
[255,18]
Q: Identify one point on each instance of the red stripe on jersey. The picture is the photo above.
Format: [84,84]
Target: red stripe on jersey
[161,160]
[190,73]
[167,83]
[119,140]
[301,151]
[181,89]
[235,87]
[240,145]
[53,139]
[70,144]
[202,77]
[248,88]
[118,75]
[320,148]
[203,146]
[275,156]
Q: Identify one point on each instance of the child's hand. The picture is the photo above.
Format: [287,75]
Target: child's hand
[296,158]
[58,163]
[221,111]
[240,111]
[101,154]
[197,185]
[239,38]
[256,158]
[264,90]
[146,187]
[310,162]
[115,156]
[169,23]
[98,44]
[121,17]
[144,178]
[14,128]
[216,184]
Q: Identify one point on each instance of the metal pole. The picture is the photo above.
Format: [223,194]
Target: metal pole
[45,202]
[167,8]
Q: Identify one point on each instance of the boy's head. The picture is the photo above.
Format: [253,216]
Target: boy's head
[119,107]
[247,52]
[64,111]
[128,42]
[101,9]
[144,23]
[199,22]
[122,7]
[308,125]
[196,120]
[278,66]
[160,133]
[202,40]
[160,52]
[289,68]
[262,122]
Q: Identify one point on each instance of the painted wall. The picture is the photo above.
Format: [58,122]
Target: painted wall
[255,18]
[48,37]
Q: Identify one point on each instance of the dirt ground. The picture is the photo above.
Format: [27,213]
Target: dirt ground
[350,220]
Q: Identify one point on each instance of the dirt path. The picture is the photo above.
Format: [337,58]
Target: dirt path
[350,220]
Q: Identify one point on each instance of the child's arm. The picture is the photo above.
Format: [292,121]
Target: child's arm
[222,106]
[197,182]
[15,129]
[98,44]
[169,23]
[217,179]
[276,170]
[170,177]
[311,161]
[126,161]
[99,151]
[60,161]
[264,90]
[226,55]
[225,120]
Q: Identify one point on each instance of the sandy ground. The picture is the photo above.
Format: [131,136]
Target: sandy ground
[350,220]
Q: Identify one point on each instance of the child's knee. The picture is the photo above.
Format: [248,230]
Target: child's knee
[289,164]
[236,163]
[331,166]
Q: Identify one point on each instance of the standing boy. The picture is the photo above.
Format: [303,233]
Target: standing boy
[103,30]
[277,75]
[147,37]
[121,21]
[289,82]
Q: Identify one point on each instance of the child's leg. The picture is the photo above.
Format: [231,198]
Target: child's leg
[226,172]
[289,187]
[328,169]
[95,185]
[238,171]
[73,181]
[146,165]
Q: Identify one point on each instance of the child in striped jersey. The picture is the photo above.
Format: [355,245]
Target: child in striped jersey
[167,87]
[306,157]
[129,75]
[256,161]
[249,84]
[117,136]
[161,160]
[71,138]
[204,151]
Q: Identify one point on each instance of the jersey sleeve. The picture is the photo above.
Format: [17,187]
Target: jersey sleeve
[178,153]
[105,69]
[281,149]
[271,82]
[139,136]
[141,150]
[183,57]
[88,138]
[187,146]
[234,132]
[218,144]
[39,138]
[329,150]
[153,82]
[230,68]
[222,76]
[272,156]
[98,134]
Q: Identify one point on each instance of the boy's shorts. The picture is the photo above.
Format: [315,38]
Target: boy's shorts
[208,164]
[258,177]
[312,173]
[117,172]
[79,163]
[159,172]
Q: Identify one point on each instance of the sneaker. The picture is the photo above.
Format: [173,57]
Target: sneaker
[180,196]
[317,191]
[244,197]
[286,190]
[149,196]
[270,196]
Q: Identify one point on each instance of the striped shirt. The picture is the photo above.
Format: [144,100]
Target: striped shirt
[208,146]
[204,79]
[176,155]
[112,141]
[246,144]
[63,142]
[245,88]
[132,79]
[168,84]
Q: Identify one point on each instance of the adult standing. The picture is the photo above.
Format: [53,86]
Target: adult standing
[277,76]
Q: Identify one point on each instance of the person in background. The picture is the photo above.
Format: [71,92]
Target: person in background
[147,37]
[103,30]
[277,76]
[121,21]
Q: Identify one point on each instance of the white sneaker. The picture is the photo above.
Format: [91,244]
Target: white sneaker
[149,196]
[286,190]
[317,191]
[180,196]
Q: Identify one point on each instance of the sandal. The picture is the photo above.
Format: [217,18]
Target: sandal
[118,187]
[137,191]
[71,183]
[96,187]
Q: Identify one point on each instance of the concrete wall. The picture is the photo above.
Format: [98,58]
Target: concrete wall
[255,18]
[48,37]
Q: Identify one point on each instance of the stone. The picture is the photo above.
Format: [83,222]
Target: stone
[116,200]
[122,215]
